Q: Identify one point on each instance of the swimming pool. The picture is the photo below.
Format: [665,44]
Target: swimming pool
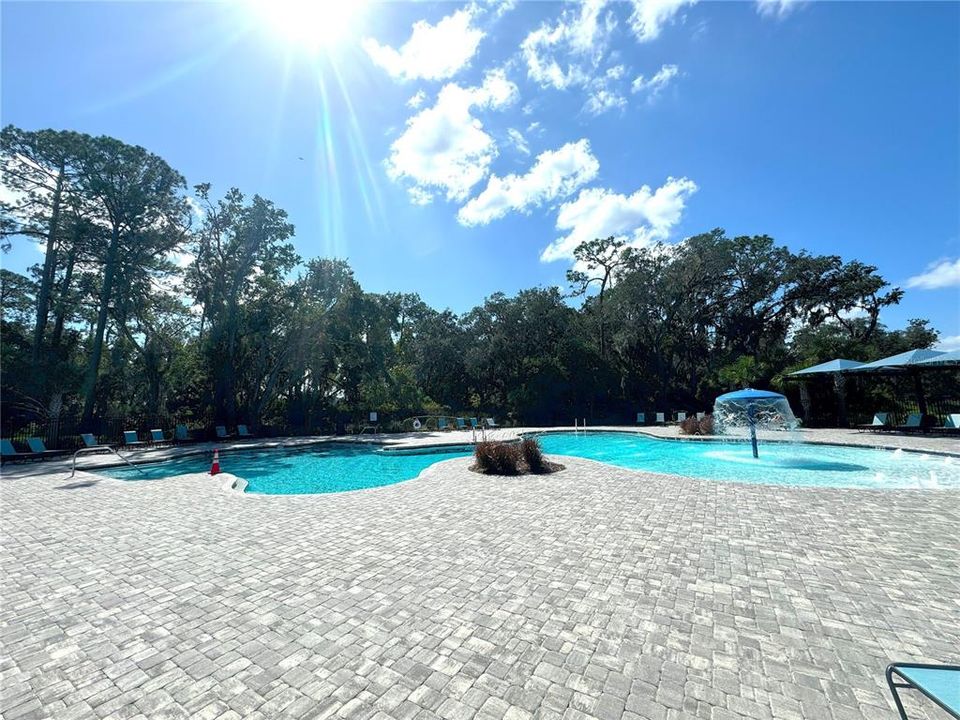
[323,468]
[778,464]
[337,467]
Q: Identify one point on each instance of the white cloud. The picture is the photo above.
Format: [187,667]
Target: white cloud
[940,274]
[650,16]
[641,218]
[577,40]
[604,99]
[948,343]
[556,173]
[778,9]
[182,259]
[196,209]
[655,85]
[604,94]
[518,140]
[417,100]
[444,148]
[433,52]
[11,196]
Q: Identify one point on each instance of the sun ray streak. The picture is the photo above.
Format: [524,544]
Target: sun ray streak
[331,204]
[365,175]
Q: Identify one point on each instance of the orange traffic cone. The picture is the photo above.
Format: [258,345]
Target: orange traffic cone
[215,468]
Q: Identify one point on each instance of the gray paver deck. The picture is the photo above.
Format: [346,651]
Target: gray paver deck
[594,592]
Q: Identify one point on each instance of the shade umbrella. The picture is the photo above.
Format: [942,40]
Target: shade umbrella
[942,360]
[901,360]
[909,361]
[750,399]
[836,368]
[829,367]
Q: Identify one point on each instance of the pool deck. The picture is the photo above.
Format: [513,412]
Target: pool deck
[594,592]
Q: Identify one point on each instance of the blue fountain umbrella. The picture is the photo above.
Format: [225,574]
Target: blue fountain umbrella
[749,396]
[750,400]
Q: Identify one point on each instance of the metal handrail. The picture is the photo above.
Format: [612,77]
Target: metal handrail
[73,470]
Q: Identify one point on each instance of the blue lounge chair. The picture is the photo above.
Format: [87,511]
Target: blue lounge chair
[9,452]
[222,433]
[681,416]
[952,424]
[474,423]
[915,423]
[244,432]
[881,421]
[940,683]
[641,418]
[130,439]
[442,424]
[461,424]
[492,424]
[661,419]
[89,441]
[181,434]
[157,438]
[38,449]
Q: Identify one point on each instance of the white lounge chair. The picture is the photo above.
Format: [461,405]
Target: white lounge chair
[491,423]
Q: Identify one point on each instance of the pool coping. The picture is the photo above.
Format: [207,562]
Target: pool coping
[738,440]
[237,484]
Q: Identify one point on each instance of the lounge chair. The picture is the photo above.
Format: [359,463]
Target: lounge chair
[661,419]
[681,416]
[474,423]
[90,442]
[243,432]
[641,418]
[40,450]
[915,423]
[157,438]
[492,424]
[940,683]
[442,424]
[130,439]
[701,415]
[952,425]
[181,434]
[461,424]
[222,433]
[9,452]
[881,421]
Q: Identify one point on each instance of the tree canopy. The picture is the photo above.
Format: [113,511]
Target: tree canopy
[155,301]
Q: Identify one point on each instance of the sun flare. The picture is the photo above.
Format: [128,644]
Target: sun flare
[309,24]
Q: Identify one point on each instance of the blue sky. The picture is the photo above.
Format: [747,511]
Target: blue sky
[459,150]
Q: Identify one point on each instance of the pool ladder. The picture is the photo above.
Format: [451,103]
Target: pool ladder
[98,448]
[576,427]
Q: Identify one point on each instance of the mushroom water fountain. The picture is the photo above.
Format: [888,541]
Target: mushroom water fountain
[748,410]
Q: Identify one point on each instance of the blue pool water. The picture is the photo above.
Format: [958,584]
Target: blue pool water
[319,469]
[332,467]
[778,464]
